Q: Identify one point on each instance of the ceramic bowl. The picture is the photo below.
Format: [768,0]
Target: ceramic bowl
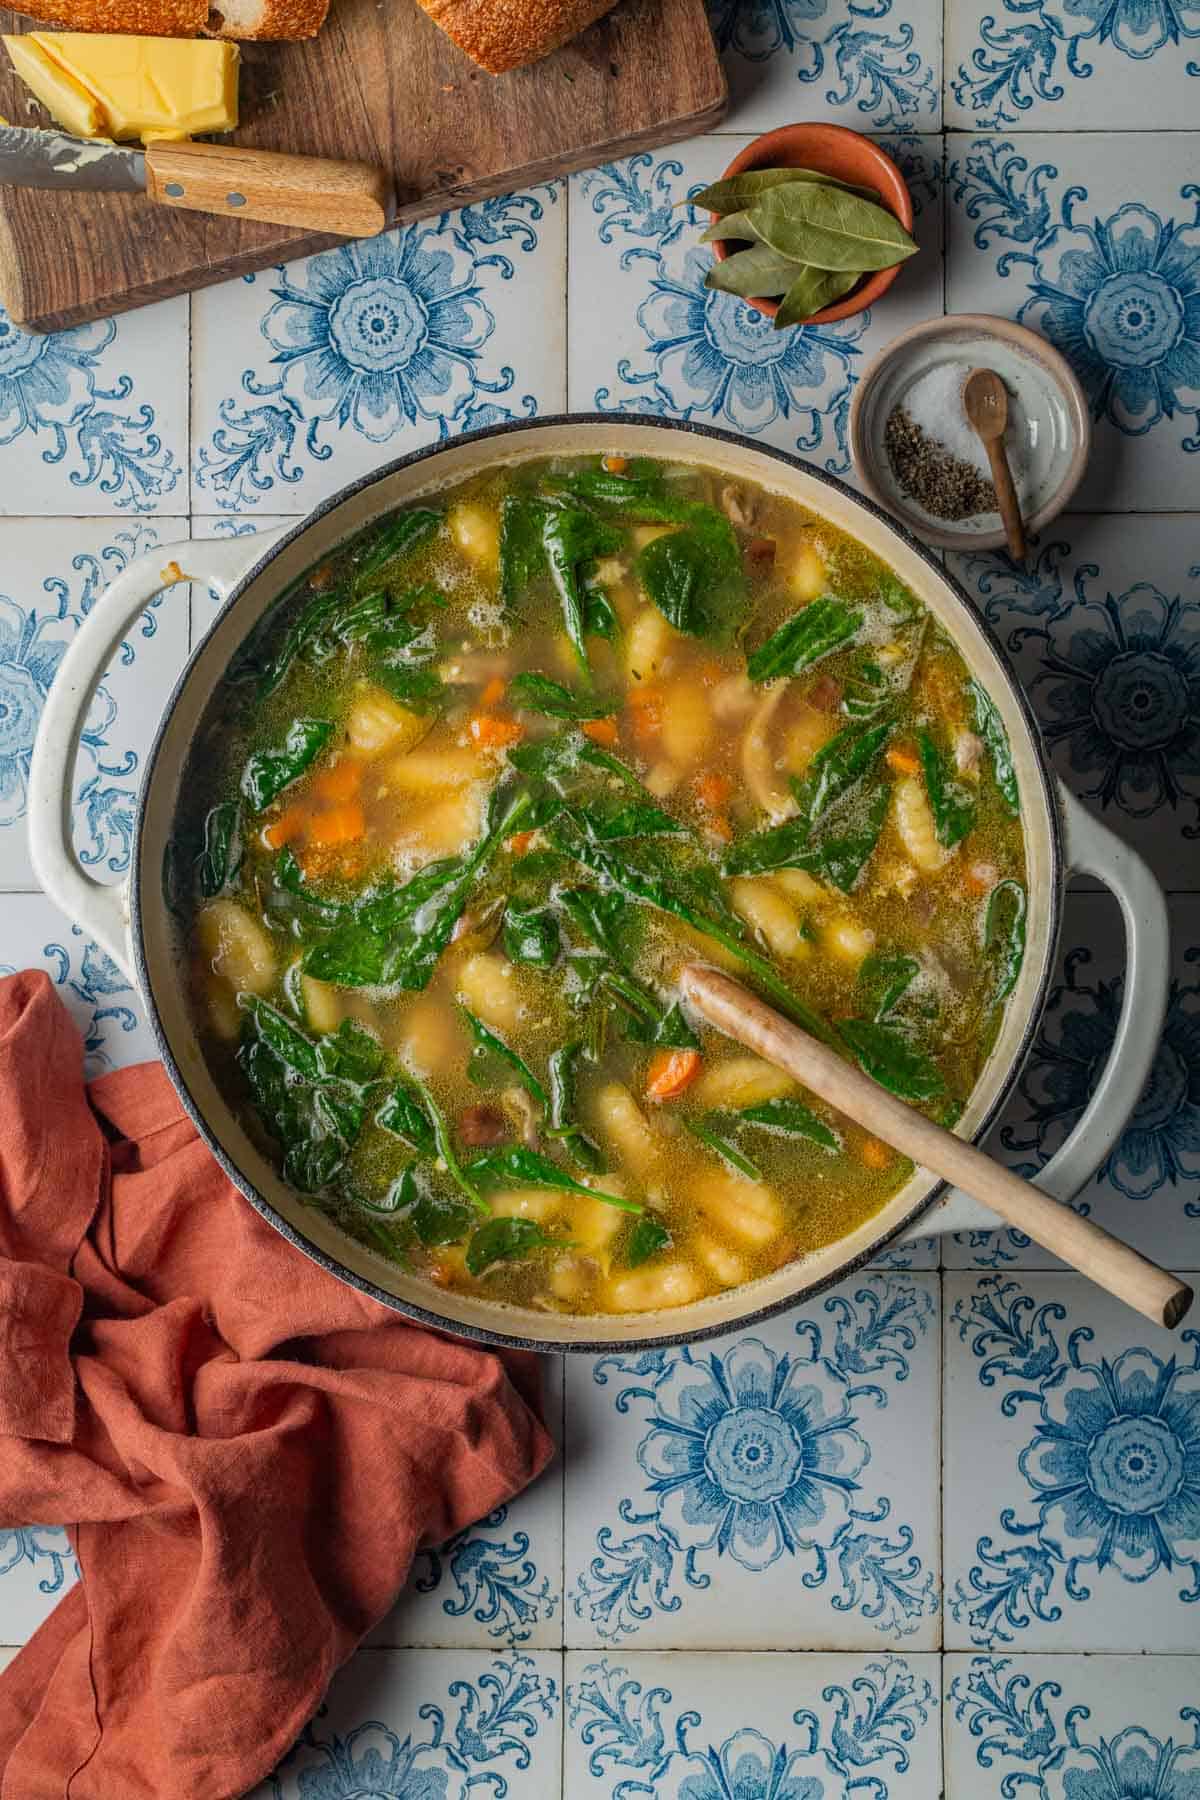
[1049,441]
[848,155]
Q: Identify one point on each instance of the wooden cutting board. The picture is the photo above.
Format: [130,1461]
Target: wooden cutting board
[381,83]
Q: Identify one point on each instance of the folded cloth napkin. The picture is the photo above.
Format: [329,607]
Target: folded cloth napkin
[245,1451]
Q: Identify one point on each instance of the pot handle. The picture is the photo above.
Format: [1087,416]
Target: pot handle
[1092,849]
[102,909]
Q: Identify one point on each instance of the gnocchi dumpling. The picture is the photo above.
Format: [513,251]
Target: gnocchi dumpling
[648,1289]
[624,1127]
[913,817]
[741,1081]
[746,1210]
[475,532]
[766,910]
[236,946]
[377,723]
[487,986]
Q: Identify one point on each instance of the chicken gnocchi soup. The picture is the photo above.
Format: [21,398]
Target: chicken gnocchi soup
[481,785]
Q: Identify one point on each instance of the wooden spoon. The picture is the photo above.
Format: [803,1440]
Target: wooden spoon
[985,402]
[729,1006]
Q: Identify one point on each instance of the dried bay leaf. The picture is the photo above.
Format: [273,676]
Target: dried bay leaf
[738,191]
[752,273]
[831,229]
[811,290]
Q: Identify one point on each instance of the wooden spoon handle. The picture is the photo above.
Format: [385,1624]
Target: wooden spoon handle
[1113,1265]
[316,193]
[1006,498]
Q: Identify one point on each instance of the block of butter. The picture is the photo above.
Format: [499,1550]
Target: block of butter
[97,85]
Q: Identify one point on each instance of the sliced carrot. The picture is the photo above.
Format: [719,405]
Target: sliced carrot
[713,790]
[645,702]
[494,731]
[875,1155]
[615,465]
[601,731]
[671,1072]
[339,825]
[520,841]
[287,826]
[980,878]
[903,760]
[493,693]
[340,781]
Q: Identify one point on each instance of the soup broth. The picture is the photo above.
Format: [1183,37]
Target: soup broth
[480,786]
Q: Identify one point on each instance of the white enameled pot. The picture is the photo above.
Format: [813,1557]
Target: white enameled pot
[133,923]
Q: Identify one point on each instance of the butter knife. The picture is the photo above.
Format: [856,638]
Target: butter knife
[314,193]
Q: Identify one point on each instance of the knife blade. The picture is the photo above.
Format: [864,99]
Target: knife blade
[54,159]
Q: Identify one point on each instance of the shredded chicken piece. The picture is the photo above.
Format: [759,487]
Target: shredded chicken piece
[520,1104]
[968,751]
[738,508]
[758,760]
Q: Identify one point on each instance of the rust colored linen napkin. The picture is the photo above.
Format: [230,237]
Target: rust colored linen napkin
[245,1451]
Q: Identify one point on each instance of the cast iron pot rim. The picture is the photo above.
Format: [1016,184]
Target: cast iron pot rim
[590,1346]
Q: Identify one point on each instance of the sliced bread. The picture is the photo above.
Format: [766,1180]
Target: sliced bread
[273,19]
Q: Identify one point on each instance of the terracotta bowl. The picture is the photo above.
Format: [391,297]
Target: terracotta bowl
[829,150]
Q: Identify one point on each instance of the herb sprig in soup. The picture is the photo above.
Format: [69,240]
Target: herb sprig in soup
[483,783]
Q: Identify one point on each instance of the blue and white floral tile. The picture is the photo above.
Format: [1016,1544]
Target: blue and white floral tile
[500,1581]
[95,419]
[922,1253]
[1072,1727]
[773,1489]
[308,376]
[1072,1470]
[751,1727]
[671,346]
[98,996]
[37,1567]
[1147,1190]
[1102,626]
[873,67]
[1072,65]
[430,1725]
[51,575]
[1094,241]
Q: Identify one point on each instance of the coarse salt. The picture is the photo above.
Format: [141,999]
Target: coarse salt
[935,403]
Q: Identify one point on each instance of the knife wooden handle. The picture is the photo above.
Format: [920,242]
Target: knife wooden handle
[316,193]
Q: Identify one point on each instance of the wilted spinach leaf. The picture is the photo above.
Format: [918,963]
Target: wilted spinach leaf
[538,693]
[712,1131]
[221,857]
[1004,935]
[507,1240]
[885,1054]
[647,1238]
[268,772]
[695,577]
[793,1118]
[397,535]
[491,1048]
[952,806]
[824,625]
[990,727]
[404,1114]
[515,1164]
[531,936]
[312,1097]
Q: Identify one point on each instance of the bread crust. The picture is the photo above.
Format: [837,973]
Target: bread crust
[506,34]
[278,20]
[144,18]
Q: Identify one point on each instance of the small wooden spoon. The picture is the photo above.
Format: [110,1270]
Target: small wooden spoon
[985,402]
[1087,1247]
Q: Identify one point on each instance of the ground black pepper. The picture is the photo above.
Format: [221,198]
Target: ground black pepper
[945,485]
